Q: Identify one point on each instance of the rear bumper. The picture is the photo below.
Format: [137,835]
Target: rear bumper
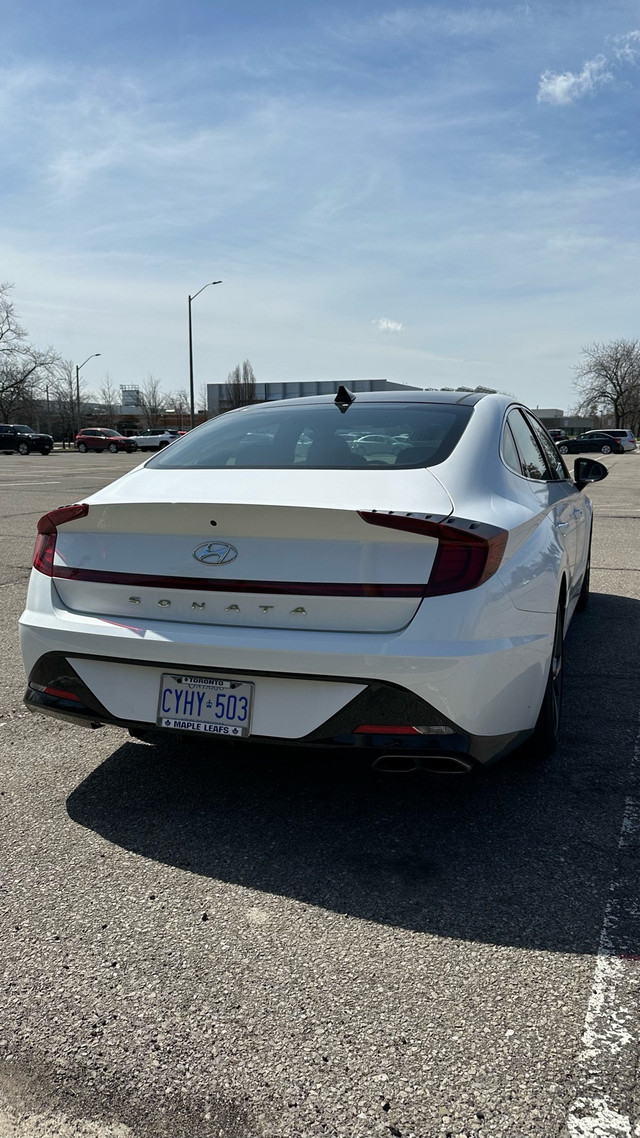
[69,697]
[472,661]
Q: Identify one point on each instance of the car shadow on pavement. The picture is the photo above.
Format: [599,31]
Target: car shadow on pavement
[522,854]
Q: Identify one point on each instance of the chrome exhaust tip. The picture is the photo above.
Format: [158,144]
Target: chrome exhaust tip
[396,764]
[432,764]
[446,764]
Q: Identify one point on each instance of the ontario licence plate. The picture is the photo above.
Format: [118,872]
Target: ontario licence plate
[205,704]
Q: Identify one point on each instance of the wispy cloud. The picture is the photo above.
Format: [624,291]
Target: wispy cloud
[569,85]
[426,21]
[386,325]
[627,48]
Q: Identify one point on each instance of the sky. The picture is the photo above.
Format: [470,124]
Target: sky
[437,194]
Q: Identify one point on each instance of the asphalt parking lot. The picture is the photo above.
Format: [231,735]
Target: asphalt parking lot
[283,947]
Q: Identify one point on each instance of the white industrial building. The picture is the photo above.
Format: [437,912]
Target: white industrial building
[218,400]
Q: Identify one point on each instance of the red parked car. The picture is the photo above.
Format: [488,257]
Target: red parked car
[102,438]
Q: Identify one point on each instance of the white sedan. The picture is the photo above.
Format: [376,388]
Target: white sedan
[243,586]
[155,438]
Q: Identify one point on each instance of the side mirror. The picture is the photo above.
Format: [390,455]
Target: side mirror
[586,470]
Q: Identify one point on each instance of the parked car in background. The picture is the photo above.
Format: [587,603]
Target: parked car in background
[263,581]
[555,433]
[102,438]
[155,438]
[626,437]
[21,439]
[592,441]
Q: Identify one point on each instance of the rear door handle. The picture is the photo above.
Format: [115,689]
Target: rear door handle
[563,525]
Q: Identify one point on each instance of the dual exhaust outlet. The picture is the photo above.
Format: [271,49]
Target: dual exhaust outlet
[432,764]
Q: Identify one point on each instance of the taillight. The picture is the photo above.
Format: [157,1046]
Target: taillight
[45,546]
[468,552]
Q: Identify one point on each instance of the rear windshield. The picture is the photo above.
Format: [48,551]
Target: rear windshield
[321,436]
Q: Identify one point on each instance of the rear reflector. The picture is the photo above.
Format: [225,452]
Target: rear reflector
[385,729]
[45,546]
[59,693]
[468,552]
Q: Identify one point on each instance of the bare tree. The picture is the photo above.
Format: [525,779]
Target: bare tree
[241,386]
[23,368]
[608,381]
[202,400]
[180,402]
[153,401]
[109,397]
[69,395]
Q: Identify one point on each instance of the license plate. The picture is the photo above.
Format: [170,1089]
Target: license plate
[205,704]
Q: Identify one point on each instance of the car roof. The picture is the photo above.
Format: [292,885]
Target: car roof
[411,395]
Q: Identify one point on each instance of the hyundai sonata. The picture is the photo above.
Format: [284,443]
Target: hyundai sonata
[263,580]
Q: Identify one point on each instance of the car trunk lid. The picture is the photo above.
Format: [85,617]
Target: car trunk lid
[281,549]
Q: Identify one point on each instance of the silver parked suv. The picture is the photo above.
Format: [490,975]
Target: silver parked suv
[625,437]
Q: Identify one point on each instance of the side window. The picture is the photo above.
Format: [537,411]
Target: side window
[531,456]
[554,460]
[509,451]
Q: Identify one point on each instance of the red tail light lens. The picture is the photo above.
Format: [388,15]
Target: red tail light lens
[45,546]
[468,552]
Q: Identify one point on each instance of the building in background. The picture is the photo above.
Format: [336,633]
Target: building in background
[554,418]
[218,400]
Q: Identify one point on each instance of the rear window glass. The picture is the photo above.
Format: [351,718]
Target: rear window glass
[320,436]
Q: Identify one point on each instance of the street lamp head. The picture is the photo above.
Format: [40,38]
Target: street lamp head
[91,357]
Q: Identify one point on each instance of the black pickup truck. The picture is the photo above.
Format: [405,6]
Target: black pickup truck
[18,437]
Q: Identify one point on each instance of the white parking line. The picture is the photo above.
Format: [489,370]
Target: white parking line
[610,1037]
[38,482]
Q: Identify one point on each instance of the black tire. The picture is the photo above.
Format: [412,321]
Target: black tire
[163,444]
[544,740]
[83,448]
[563,449]
[23,448]
[113,447]
[46,450]
[605,449]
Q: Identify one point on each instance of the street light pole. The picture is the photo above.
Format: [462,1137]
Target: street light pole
[191,396]
[78,369]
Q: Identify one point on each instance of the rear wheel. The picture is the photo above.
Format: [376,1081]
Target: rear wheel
[563,449]
[23,448]
[544,740]
[83,448]
[46,450]
[605,449]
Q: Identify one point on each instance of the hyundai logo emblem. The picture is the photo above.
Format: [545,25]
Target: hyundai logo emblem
[215,553]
